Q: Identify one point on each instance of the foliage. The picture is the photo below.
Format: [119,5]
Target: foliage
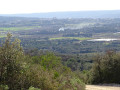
[32,88]
[45,72]
[106,68]
[4,87]
[10,66]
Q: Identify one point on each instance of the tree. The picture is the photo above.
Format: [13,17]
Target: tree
[11,54]
[106,68]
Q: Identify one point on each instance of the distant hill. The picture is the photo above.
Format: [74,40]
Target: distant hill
[72,14]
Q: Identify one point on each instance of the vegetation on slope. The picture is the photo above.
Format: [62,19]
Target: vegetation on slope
[46,72]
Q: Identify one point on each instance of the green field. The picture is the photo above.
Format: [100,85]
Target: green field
[78,38]
[2,36]
[18,28]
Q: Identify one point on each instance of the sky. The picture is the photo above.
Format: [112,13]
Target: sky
[38,6]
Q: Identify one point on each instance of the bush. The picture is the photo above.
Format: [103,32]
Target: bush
[10,67]
[106,68]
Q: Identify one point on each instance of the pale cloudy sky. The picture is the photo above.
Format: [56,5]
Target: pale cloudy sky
[36,6]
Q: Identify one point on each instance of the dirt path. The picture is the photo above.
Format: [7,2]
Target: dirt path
[102,87]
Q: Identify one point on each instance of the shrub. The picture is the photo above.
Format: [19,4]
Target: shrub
[106,68]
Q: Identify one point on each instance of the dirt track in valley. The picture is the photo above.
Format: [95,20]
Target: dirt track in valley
[102,87]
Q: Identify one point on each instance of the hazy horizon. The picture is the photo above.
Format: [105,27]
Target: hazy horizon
[61,11]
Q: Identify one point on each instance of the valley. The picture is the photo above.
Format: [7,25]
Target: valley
[68,50]
[64,35]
